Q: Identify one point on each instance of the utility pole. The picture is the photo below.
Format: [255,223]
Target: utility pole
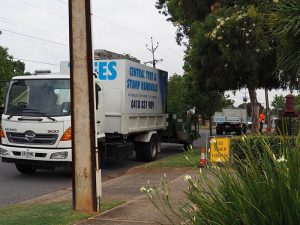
[86,174]
[245,99]
[152,49]
[267,110]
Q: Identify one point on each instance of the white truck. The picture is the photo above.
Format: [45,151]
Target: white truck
[231,120]
[130,113]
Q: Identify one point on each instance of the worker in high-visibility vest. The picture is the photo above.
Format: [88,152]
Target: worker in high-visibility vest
[261,121]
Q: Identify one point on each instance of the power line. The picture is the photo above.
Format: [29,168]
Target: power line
[62,2]
[97,18]
[23,25]
[33,37]
[42,9]
[34,61]
[115,35]
[133,32]
[114,24]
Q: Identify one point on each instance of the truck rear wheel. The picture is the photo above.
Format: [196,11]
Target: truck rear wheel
[244,128]
[25,168]
[147,151]
[238,131]
[219,131]
[151,149]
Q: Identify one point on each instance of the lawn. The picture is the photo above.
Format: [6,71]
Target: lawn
[46,214]
[185,159]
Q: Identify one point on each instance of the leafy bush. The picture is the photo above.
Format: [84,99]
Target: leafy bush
[260,188]
[239,146]
[282,125]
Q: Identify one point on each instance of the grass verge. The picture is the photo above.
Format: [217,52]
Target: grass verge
[185,159]
[47,214]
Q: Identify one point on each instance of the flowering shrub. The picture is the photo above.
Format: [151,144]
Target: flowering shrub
[261,188]
[162,199]
[242,31]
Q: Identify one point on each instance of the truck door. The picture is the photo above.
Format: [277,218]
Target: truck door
[100,113]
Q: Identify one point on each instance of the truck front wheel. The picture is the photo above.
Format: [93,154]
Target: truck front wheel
[25,168]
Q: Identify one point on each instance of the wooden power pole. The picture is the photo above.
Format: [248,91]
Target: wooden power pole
[268,117]
[86,172]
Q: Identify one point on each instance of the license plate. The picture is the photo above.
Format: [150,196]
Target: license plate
[27,154]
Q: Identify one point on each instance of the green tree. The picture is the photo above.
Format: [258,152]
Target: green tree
[8,69]
[206,101]
[246,57]
[297,103]
[230,48]
[176,95]
[184,94]
[278,102]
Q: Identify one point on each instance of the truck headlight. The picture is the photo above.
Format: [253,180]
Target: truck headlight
[59,155]
[3,152]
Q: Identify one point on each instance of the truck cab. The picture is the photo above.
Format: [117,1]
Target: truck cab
[231,120]
[36,122]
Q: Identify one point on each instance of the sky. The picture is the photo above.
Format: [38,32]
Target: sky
[36,31]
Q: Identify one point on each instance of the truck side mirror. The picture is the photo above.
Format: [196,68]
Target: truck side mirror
[98,89]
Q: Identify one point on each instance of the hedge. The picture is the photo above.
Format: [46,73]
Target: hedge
[239,145]
[282,125]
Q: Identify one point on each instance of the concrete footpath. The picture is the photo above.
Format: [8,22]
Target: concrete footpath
[138,209]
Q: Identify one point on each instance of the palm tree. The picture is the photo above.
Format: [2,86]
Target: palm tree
[285,24]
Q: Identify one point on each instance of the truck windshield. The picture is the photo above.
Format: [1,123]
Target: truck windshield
[38,98]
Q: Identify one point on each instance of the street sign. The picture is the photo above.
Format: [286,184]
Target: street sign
[219,149]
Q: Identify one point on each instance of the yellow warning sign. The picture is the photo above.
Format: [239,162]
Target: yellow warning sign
[219,150]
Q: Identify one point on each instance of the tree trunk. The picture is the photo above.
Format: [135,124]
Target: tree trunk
[255,110]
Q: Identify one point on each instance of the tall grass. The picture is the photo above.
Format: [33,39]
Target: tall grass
[259,189]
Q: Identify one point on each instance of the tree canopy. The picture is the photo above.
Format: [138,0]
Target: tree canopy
[278,102]
[230,44]
[184,94]
[8,68]
[176,97]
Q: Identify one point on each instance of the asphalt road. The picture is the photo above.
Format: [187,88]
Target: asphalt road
[16,187]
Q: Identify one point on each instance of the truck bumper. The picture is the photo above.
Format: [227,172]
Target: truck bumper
[51,157]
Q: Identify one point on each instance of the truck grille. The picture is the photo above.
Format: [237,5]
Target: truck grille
[30,137]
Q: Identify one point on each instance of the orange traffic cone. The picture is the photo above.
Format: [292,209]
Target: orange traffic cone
[203,157]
